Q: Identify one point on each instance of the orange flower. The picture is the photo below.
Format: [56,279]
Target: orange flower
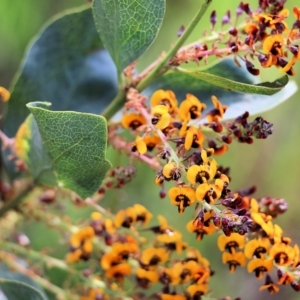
[218,112]
[257,247]
[273,44]
[152,141]
[282,254]
[145,278]
[133,121]
[269,285]
[195,291]
[234,259]
[151,257]
[260,266]
[193,226]
[118,272]
[231,242]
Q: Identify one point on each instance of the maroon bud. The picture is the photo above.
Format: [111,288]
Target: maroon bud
[296,286]
[101,191]
[162,194]
[217,221]
[226,139]
[251,69]
[213,18]
[296,25]
[234,47]
[233,31]
[249,140]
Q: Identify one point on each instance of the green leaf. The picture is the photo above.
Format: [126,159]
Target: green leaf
[5,273]
[65,65]
[128,27]
[265,88]
[76,143]
[237,102]
[16,290]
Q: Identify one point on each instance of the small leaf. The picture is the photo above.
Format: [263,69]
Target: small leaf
[237,102]
[65,65]
[128,27]
[16,290]
[76,143]
[5,273]
[265,88]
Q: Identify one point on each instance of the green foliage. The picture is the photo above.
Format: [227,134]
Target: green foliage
[16,290]
[128,27]
[238,103]
[5,273]
[265,88]
[65,65]
[76,143]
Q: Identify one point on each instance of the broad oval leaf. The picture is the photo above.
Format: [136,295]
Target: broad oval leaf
[128,27]
[76,143]
[65,65]
[5,273]
[265,88]
[237,102]
[16,290]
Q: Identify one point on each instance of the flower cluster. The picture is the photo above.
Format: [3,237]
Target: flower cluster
[266,248]
[263,29]
[166,262]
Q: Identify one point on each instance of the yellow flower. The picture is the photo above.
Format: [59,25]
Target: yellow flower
[4,94]
[182,197]
[171,171]
[133,121]
[139,145]
[125,217]
[191,108]
[202,173]
[210,192]
[161,117]
[194,138]
[142,214]
[167,98]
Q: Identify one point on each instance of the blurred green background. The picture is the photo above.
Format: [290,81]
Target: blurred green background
[273,165]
